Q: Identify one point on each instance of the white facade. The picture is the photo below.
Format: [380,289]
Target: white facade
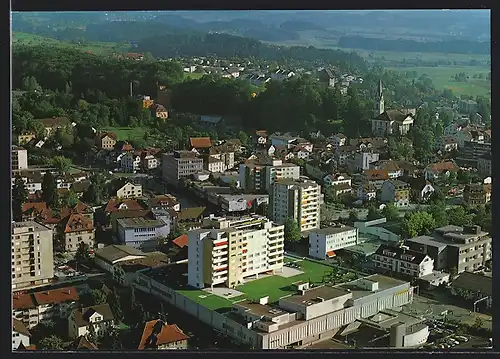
[389,259]
[18,338]
[130,162]
[140,232]
[129,190]
[326,240]
[101,326]
[19,158]
[300,200]
[150,162]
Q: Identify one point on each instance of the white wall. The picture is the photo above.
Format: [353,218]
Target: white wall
[18,338]
[417,338]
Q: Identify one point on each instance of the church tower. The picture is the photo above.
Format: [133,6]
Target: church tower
[380,105]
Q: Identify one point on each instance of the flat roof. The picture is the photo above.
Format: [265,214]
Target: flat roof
[428,240]
[27,224]
[261,309]
[139,222]
[434,275]
[332,230]
[312,296]
[384,283]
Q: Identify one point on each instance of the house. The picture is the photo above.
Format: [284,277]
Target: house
[392,122]
[447,144]
[79,188]
[300,152]
[452,129]
[233,72]
[159,111]
[375,177]
[392,168]
[76,229]
[369,143]
[98,316]
[20,334]
[395,191]
[165,201]
[83,343]
[477,194]
[158,335]
[107,257]
[219,158]
[420,189]
[115,205]
[123,146]
[210,121]
[149,161]
[129,190]
[435,170]
[181,241]
[32,180]
[366,192]
[360,161]
[147,102]
[474,287]
[327,76]
[337,140]
[52,124]
[200,143]
[337,179]
[285,140]
[325,241]
[130,162]
[467,106]
[402,261]
[106,140]
[24,138]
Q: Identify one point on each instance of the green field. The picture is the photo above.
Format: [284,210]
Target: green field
[94,47]
[273,286]
[442,77]
[126,133]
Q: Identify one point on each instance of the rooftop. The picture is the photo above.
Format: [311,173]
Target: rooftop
[116,252]
[474,282]
[332,230]
[384,283]
[261,309]
[317,295]
[156,332]
[139,222]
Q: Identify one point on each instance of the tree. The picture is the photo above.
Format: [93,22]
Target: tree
[49,189]
[438,212]
[390,212]
[19,198]
[458,216]
[112,340]
[82,253]
[373,213]
[418,223]
[453,272]
[96,193]
[52,342]
[163,314]
[99,297]
[30,84]
[92,334]
[115,304]
[478,323]
[69,199]
[61,163]
[243,137]
[353,216]
[292,231]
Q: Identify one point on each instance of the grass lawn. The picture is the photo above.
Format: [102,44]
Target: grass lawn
[442,77]
[192,75]
[127,133]
[94,47]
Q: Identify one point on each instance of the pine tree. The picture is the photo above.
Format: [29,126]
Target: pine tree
[49,189]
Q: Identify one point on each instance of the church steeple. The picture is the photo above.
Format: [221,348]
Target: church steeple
[380,104]
[380,89]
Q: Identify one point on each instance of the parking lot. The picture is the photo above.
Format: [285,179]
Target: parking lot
[443,336]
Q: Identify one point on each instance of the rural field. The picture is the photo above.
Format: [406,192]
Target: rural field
[443,77]
[127,133]
[22,38]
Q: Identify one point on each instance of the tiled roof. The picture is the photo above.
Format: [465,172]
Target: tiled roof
[55,121]
[82,343]
[19,327]
[109,134]
[400,253]
[55,296]
[261,133]
[181,241]
[156,333]
[114,204]
[23,301]
[77,223]
[35,206]
[443,166]
[373,175]
[200,142]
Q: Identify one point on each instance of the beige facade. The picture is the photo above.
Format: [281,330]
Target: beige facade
[298,199]
[106,142]
[32,254]
[19,158]
[76,229]
[129,190]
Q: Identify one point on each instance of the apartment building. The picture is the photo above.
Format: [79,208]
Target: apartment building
[225,251]
[32,254]
[402,261]
[181,164]
[144,232]
[484,165]
[477,194]
[75,229]
[19,158]
[299,199]
[129,190]
[259,174]
[471,152]
[465,248]
[361,160]
[325,241]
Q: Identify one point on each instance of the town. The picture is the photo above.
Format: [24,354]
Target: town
[247,207]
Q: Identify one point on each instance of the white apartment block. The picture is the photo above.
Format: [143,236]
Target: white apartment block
[299,199]
[403,261]
[19,158]
[32,254]
[228,250]
[259,175]
[324,242]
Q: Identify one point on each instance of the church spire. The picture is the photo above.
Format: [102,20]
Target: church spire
[380,89]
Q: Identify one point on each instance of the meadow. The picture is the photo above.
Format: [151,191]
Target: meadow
[127,133]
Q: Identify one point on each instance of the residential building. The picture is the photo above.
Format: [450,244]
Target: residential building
[465,248]
[366,192]
[165,201]
[327,77]
[420,189]
[159,111]
[285,139]
[76,229]
[130,162]
[129,190]
[467,106]
[484,165]
[158,335]
[360,160]
[19,158]
[392,122]
[447,144]
[260,138]
[396,192]
[298,199]
[143,233]
[390,259]
[32,180]
[337,180]
[149,161]
[200,143]
[259,174]
[106,140]
[83,343]
[477,194]
[52,124]
[32,254]
[211,121]
[474,287]
[24,138]
[392,168]
[181,164]
[228,250]
[219,159]
[471,153]
[99,316]
[436,170]
[20,334]
[325,241]
[337,140]
[33,308]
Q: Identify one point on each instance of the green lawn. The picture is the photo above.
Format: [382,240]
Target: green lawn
[442,77]
[126,133]
[94,47]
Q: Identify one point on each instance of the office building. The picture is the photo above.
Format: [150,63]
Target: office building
[32,254]
[19,158]
[181,164]
[298,199]
[465,248]
[324,242]
[227,250]
[143,233]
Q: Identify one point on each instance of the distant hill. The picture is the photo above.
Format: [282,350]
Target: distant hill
[295,25]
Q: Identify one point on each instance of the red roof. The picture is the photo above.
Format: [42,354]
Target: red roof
[181,241]
[23,301]
[78,223]
[200,142]
[36,206]
[163,334]
[330,254]
[114,205]
[55,296]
